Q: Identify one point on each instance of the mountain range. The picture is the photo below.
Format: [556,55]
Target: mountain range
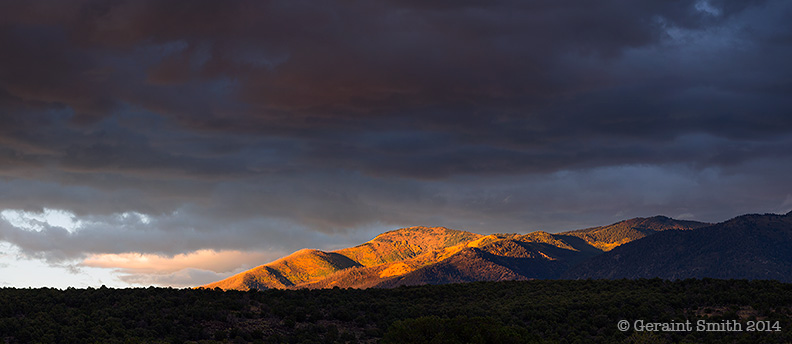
[746,247]
[749,246]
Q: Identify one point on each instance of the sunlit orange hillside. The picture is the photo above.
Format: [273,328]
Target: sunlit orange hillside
[421,255]
[299,267]
[306,266]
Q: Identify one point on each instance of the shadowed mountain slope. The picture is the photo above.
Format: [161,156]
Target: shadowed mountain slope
[746,247]
[534,255]
[610,236]
[436,255]
[537,255]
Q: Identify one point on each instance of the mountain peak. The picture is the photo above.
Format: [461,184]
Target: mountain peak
[656,245]
[622,232]
[750,246]
[409,231]
[425,237]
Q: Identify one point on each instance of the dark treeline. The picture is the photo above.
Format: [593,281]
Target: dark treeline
[549,311]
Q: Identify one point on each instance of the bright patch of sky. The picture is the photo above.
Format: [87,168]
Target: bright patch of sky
[20,272]
[143,218]
[37,220]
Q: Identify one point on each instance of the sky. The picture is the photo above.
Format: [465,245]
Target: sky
[175,143]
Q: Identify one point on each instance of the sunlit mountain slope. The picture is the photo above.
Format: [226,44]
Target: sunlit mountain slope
[307,266]
[434,255]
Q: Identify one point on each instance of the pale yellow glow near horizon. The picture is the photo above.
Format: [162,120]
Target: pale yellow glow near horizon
[217,261]
[113,269]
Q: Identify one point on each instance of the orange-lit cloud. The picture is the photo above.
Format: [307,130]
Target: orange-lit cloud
[217,261]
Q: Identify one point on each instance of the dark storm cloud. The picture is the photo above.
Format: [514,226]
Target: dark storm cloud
[489,87]
[251,124]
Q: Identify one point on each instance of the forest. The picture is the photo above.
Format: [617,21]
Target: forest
[538,311]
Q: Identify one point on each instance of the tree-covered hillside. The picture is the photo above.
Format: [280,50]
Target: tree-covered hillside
[550,311]
[748,246]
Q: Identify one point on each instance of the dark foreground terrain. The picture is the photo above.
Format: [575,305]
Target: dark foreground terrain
[550,311]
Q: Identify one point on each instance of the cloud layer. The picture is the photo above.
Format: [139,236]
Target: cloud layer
[268,126]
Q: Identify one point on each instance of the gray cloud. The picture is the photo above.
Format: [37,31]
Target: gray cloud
[507,82]
[327,213]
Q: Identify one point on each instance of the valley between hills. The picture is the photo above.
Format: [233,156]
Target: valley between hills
[746,247]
